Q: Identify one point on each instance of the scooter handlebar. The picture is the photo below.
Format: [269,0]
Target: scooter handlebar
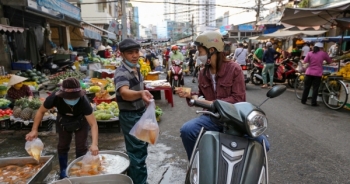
[198,103]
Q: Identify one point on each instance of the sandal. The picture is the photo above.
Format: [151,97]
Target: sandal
[264,86]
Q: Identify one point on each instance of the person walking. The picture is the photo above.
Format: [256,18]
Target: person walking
[132,100]
[269,57]
[240,55]
[74,116]
[314,71]
[305,50]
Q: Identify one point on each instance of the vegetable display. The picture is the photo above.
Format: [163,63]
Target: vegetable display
[25,109]
[4,103]
[5,114]
[56,78]
[33,76]
[106,111]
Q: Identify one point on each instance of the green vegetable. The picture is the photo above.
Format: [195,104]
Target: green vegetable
[4,102]
[159,111]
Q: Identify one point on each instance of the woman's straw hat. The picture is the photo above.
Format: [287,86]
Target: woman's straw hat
[15,79]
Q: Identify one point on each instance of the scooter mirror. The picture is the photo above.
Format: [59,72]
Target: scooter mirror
[276,91]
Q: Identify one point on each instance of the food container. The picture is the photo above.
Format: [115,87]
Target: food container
[111,152]
[40,175]
[107,178]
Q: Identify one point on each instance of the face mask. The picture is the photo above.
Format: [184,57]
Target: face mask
[18,86]
[132,65]
[71,102]
[203,59]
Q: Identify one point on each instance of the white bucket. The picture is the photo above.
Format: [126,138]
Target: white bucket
[83,68]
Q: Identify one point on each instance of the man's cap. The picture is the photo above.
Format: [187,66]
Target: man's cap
[128,44]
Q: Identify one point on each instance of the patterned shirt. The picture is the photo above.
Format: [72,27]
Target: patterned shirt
[125,76]
[15,94]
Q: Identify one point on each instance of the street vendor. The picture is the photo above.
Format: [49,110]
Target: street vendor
[74,116]
[18,89]
[132,101]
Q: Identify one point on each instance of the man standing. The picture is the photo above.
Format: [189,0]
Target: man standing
[132,101]
[88,49]
[240,54]
[305,50]
[269,58]
[333,50]
[258,54]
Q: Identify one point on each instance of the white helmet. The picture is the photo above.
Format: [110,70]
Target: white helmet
[319,44]
[268,44]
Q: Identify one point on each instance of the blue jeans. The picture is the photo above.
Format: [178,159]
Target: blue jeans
[270,68]
[190,131]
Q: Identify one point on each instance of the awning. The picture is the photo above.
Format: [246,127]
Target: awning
[310,17]
[7,28]
[110,35]
[259,38]
[343,23]
[327,39]
[273,18]
[287,33]
[92,34]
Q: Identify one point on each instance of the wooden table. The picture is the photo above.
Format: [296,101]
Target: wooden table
[167,91]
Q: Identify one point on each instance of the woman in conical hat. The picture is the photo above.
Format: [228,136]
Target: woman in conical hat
[18,89]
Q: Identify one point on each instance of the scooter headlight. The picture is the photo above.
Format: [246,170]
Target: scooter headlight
[194,170]
[256,123]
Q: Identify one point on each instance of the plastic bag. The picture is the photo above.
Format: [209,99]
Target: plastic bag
[91,163]
[34,148]
[147,129]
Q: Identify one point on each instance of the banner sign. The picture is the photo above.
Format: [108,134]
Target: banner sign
[61,6]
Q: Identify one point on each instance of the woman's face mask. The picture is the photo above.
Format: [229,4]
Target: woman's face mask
[203,59]
[18,86]
[71,102]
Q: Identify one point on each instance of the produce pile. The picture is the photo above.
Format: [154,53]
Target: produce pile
[104,61]
[59,77]
[5,114]
[159,113]
[8,76]
[25,109]
[106,111]
[33,76]
[144,67]
[4,103]
[345,71]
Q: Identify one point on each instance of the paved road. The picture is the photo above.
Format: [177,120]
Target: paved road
[308,144]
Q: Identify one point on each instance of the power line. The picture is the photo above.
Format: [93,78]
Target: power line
[188,4]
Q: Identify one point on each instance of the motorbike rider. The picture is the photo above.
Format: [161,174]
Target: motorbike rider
[221,79]
[240,54]
[177,55]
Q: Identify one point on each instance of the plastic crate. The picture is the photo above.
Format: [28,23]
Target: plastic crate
[106,75]
[97,101]
[5,124]
[21,66]
[113,126]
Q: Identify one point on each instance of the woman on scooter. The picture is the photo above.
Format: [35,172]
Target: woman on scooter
[221,79]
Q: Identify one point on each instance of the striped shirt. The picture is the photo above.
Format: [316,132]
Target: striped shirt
[125,76]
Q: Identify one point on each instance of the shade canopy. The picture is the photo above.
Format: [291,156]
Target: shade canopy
[287,33]
[327,39]
[309,17]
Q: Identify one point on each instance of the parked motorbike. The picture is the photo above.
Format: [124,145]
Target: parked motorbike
[284,72]
[50,66]
[231,157]
[176,74]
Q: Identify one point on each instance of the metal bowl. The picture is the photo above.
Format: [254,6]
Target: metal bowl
[107,178]
[111,152]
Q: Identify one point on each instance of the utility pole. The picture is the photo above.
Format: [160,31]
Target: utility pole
[192,26]
[258,12]
[124,23]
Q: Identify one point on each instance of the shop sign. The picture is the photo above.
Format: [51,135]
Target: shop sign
[246,27]
[61,6]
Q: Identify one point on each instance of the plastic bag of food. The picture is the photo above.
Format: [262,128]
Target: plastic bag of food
[91,163]
[34,148]
[147,129]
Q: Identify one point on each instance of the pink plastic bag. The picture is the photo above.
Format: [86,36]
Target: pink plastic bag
[147,129]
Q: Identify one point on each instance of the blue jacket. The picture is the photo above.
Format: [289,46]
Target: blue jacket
[269,55]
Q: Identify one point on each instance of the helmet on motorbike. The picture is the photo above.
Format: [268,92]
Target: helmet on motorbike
[128,44]
[174,47]
[210,39]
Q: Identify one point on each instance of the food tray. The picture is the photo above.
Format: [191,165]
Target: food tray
[40,175]
[112,152]
[107,178]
